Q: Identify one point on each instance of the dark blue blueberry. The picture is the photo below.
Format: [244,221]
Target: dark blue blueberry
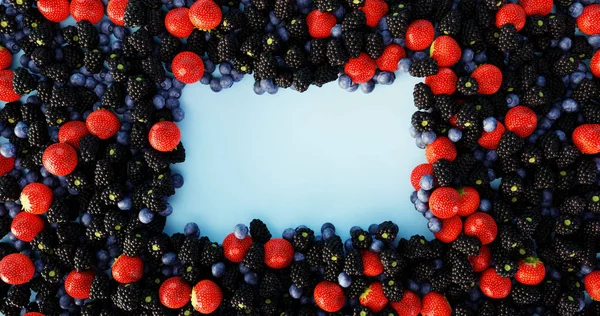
[206,78]
[218,269]
[258,89]
[169,258]
[178,3]
[166,84]
[99,90]
[283,34]
[328,233]
[336,31]
[225,68]
[386,78]
[24,60]
[77,80]
[288,234]
[344,280]
[344,81]
[251,278]
[33,67]
[178,114]
[576,9]
[146,216]
[21,129]
[434,225]
[172,103]
[104,39]
[565,43]
[123,137]
[90,83]
[120,32]
[86,219]
[65,301]
[191,229]
[178,84]
[428,137]
[158,101]
[240,231]
[404,64]
[295,292]
[377,245]
[273,19]
[106,27]
[8,150]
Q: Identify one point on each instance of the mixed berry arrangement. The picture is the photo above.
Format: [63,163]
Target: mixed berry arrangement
[508,115]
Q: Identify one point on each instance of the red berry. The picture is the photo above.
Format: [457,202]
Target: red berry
[444,82]
[188,67]
[482,260]
[36,198]
[488,77]
[25,226]
[537,7]
[206,296]
[374,10]
[174,293]
[127,269]
[205,14]
[493,285]
[521,120]
[490,140]
[33,314]
[7,90]
[164,136]
[444,202]
[360,69]
[329,296]
[16,268]
[391,55]
[418,172]
[78,284]
[587,138]
[441,148]
[103,123]
[592,284]
[595,64]
[451,229]
[6,165]
[409,305]
[235,249]
[482,226]
[469,201]
[59,159]
[372,265]
[72,132]
[435,304]
[5,58]
[116,11]
[446,51]
[90,10]
[531,271]
[587,22]
[373,297]
[279,253]
[511,13]
[419,35]
[320,23]
[54,10]
[178,22]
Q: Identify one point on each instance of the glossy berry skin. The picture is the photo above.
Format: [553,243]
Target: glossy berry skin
[360,69]
[445,50]
[595,64]
[116,11]
[482,226]
[205,14]
[482,260]
[103,123]
[6,165]
[7,90]
[592,284]
[174,293]
[444,202]
[25,226]
[60,159]
[90,10]
[390,57]
[188,67]
[511,13]
[374,10]
[320,23]
[587,138]
[78,284]
[372,265]
[329,296]
[537,7]
[444,82]
[177,22]
[279,253]
[54,10]
[164,136]
[521,120]
[587,22]
[451,229]
[488,77]
[419,35]
[235,249]
[418,172]
[409,305]
[435,304]
[531,271]
[72,132]
[16,268]
[373,297]
[441,148]
[127,269]
[36,198]
[5,58]
[206,296]
[490,140]
[469,201]
[493,285]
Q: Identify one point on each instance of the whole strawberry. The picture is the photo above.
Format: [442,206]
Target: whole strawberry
[7,89]
[374,10]
[205,14]
[320,23]
[444,202]
[521,120]
[16,268]
[54,10]
[490,140]
[174,293]
[206,296]
[587,138]
[592,284]
[279,253]
[127,269]
[90,10]
[360,69]
[446,51]
[177,22]
[72,132]
[390,57]
[36,198]
[482,226]
[5,58]
[164,136]
[409,305]
[60,159]
[587,22]
[103,123]
[444,82]
[511,13]
[482,260]
[235,249]
[451,229]
[188,67]
[25,226]
[329,296]
[78,284]
[372,265]
[469,201]
[488,77]
[531,271]
[493,285]
[419,35]
[435,304]
[373,297]
[440,148]
[537,7]
[116,11]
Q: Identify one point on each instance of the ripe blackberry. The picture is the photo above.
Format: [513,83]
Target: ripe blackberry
[88,35]
[18,295]
[104,173]
[333,252]
[361,239]
[83,259]
[353,21]
[471,35]
[23,81]
[300,275]
[337,55]
[324,74]
[318,51]
[543,178]
[354,42]
[303,239]
[265,66]
[284,9]
[565,65]
[42,56]
[417,247]
[451,23]
[357,287]
[295,57]
[256,19]
[170,46]
[140,88]
[461,271]
[468,245]
[136,14]
[423,67]
[374,45]
[393,264]
[423,121]
[586,91]
[154,69]
[9,188]
[386,231]
[63,97]
[593,201]
[259,231]
[586,172]
[127,296]
[550,144]
[37,134]
[444,104]
[58,72]
[508,39]
[43,35]
[114,96]
[567,304]
[114,222]
[233,20]
[398,22]
[392,290]
[302,79]
[444,172]
[506,267]
[353,264]
[243,298]
[567,225]
[423,96]
[468,116]
[157,246]
[509,144]
[156,160]
[72,56]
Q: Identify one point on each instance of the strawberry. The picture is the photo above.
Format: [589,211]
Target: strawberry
[54,10]
[205,14]
[446,51]
[493,285]
[451,228]
[469,201]
[90,10]
[178,23]
[127,269]
[444,202]
[6,165]
[7,90]
[25,226]
[595,64]
[5,58]
[373,297]
[329,296]
[482,226]
[206,296]
[116,11]
[374,10]
[16,268]
[419,35]
[587,22]
[174,292]
[531,271]
[444,82]
[33,314]
[521,120]
[360,69]
[511,13]
[103,123]
[78,284]
[36,198]
[372,265]
[72,132]
[482,260]
[235,249]
[490,140]
[59,159]
[320,23]
[592,284]
[279,253]
[441,148]
[587,138]
[488,77]
[537,7]
[435,304]
[409,305]
[164,136]
[188,67]
[418,172]
[390,57]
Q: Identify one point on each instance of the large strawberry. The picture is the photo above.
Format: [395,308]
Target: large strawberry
[374,10]
[205,14]
[482,260]
[444,82]
[90,10]
[174,292]
[16,268]
[78,284]
[445,50]
[372,265]
[531,271]
[177,22]
[591,283]
[279,253]
[320,23]
[103,123]
[418,172]
[116,11]
[451,229]
[72,132]
[329,296]
[490,140]
[435,304]
[482,226]
[595,64]
[537,7]
[60,159]
[444,202]
[409,305]
[36,198]
[488,77]
[373,297]
[511,13]
[188,67]
[5,58]
[493,285]
[25,226]
[33,314]
[521,120]
[54,10]
[390,57]
[441,148]
[7,89]
[587,138]
[235,249]
[6,165]
[206,296]
[360,69]
[127,269]
[587,22]
[164,136]
[419,35]
[469,201]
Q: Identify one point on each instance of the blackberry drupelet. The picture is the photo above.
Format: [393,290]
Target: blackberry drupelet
[423,67]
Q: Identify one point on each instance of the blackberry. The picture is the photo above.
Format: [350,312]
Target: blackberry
[591,113]
[104,173]
[133,244]
[127,296]
[303,239]
[295,57]
[82,259]
[318,51]
[89,146]
[461,271]
[300,275]
[259,231]
[9,188]
[63,97]
[353,264]
[398,23]
[252,46]
[392,290]
[337,55]
[357,287]
[324,74]
[170,46]
[565,65]
[567,225]
[265,66]
[393,264]
[354,42]
[444,172]
[157,246]
[37,134]
[327,5]
[58,72]
[550,144]
[233,20]
[593,201]
[527,223]
[423,96]
[353,21]
[18,295]
[243,298]
[508,39]
[386,231]
[423,121]
[468,245]
[567,305]
[302,79]
[114,97]
[72,56]
[467,86]
[445,106]
[257,20]
[42,56]
[543,178]
[227,48]
[333,252]
[361,239]
[140,88]
[509,144]
[88,35]
[23,82]
[154,69]
[451,23]
[45,241]
[155,201]
[423,67]
[43,35]
[586,91]
[586,172]
[471,35]
[211,254]
[506,267]
[114,222]
[468,117]
[136,14]
[156,160]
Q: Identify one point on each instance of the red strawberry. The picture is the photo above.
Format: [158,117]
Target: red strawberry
[279,253]
[451,228]
[537,7]
[488,77]
[469,201]
[587,22]
[444,82]
[16,268]
[482,260]
[441,148]
[531,271]
[116,11]
[592,284]
[391,55]
[360,69]
[72,132]
[409,305]
[235,249]
[418,172]
[373,297]
[59,159]
[103,123]
[174,292]
[521,120]
[587,138]
[320,23]
[164,136]
[329,296]
[493,285]
[54,10]
[127,269]
[188,67]
[444,202]
[205,14]
[36,198]
[372,265]
[7,90]
[482,226]
[5,58]
[90,10]
[511,13]
[446,51]
[33,314]
[419,35]
[435,304]
[595,64]
[178,23]
[374,10]
[206,296]
[25,226]
[6,165]
[78,284]
[490,140]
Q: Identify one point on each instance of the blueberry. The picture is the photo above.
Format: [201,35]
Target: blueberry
[576,9]
[577,77]
[166,84]
[178,114]
[240,231]
[569,105]
[288,234]
[65,301]
[178,84]
[594,40]
[236,75]
[404,64]
[166,212]
[419,142]
[146,216]
[428,214]
[215,85]
[467,55]
[177,180]
[426,182]
[158,101]
[428,137]
[554,113]
[489,124]
[376,246]
[191,230]
[420,206]
[257,89]
[344,81]
[328,233]
[225,68]
[480,58]
[565,43]
[86,219]
[423,195]
[106,27]
[434,225]
[8,150]
[172,103]
[174,92]
[413,286]
[413,197]
[386,78]
[21,130]
[561,135]
[344,280]
[24,60]
[336,31]
[295,292]
[387,37]
[120,32]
